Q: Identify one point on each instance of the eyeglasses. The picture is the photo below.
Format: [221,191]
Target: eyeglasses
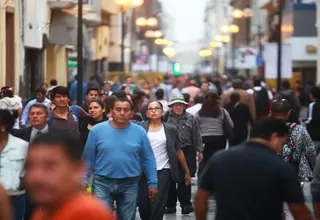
[154,109]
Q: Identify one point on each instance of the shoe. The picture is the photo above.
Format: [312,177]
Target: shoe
[170,211]
[187,210]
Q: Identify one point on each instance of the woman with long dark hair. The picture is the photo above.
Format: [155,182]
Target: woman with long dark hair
[166,148]
[241,117]
[212,119]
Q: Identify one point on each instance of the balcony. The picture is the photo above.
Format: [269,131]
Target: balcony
[62,4]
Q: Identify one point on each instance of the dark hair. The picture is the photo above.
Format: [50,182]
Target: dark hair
[6,91]
[315,92]
[120,94]
[210,106]
[53,82]
[199,99]
[234,99]
[39,105]
[108,101]
[237,84]
[122,100]
[256,82]
[7,118]
[44,84]
[61,139]
[92,89]
[286,84]
[147,105]
[41,90]
[61,90]
[159,94]
[186,97]
[264,128]
[280,106]
[98,101]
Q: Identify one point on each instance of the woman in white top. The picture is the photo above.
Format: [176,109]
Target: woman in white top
[13,153]
[170,162]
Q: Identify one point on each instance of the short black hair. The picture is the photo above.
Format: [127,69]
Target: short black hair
[61,90]
[122,100]
[92,89]
[237,83]
[6,91]
[120,94]
[199,99]
[186,97]
[286,84]
[41,90]
[53,82]
[256,82]
[98,101]
[280,106]
[39,105]
[264,128]
[59,138]
[315,92]
[7,118]
[159,94]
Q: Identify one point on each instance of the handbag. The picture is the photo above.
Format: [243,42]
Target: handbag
[227,129]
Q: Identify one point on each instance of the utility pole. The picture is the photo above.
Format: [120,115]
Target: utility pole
[279,66]
[80,54]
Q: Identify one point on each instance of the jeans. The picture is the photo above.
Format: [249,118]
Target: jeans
[18,206]
[122,191]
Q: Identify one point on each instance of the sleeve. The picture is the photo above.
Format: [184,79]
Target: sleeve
[315,185]
[82,113]
[89,154]
[148,162]
[207,177]
[197,139]
[291,188]
[177,144]
[25,113]
[226,113]
[310,110]
[309,147]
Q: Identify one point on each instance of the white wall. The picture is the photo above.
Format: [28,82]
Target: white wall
[299,44]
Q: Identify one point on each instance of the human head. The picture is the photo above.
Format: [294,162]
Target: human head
[96,109]
[256,82]
[178,105]
[179,84]
[53,82]
[7,91]
[126,88]
[192,82]
[38,115]
[286,84]
[60,96]
[44,86]
[156,81]
[107,86]
[7,120]
[40,94]
[281,109]
[53,159]
[270,131]
[122,111]
[210,106]
[314,94]
[198,99]
[129,80]
[154,110]
[237,84]
[159,94]
[205,87]
[92,94]
[108,102]
[186,97]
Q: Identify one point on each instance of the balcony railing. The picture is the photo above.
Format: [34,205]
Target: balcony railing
[62,4]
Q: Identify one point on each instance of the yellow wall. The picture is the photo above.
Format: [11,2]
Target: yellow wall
[57,64]
[109,6]
[101,49]
[19,62]
[2,48]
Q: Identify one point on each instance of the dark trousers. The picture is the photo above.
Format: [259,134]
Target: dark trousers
[18,206]
[212,144]
[154,210]
[30,207]
[182,191]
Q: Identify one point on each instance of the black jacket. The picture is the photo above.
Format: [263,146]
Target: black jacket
[25,133]
[173,144]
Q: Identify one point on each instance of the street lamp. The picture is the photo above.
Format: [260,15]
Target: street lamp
[124,4]
[143,22]
[80,54]
[205,53]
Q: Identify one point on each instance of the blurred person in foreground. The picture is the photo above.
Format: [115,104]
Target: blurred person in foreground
[5,210]
[250,181]
[52,161]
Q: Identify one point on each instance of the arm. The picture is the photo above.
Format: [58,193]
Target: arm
[252,106]
[183,163]
[5,211]
[25,114]
[226,113]
[309,147]
[82,113]
[196,136]
[315,190]
[148,162]
[89,154]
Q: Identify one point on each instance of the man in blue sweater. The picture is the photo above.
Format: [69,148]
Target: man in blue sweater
[116,152]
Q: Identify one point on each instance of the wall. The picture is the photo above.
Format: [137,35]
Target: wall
[2,47]
[57,64]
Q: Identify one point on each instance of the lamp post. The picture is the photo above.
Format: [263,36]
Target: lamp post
[279,32]
[80,54]
[224,39]
[124,4]
[234,29]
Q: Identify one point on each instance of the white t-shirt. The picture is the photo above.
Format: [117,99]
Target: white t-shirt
[158,141]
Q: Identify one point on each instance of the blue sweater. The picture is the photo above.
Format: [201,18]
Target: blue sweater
[120,153]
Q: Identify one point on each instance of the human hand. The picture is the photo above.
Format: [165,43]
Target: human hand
[187,179]
[200,157]
[153,192]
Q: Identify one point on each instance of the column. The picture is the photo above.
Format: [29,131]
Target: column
[318,40]
[2,46]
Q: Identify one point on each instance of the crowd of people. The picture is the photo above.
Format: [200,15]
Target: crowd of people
[139,144]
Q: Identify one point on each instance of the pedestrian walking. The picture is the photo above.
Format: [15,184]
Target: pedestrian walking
[52,161]
[13,153]
[169,158]
[188,131]
[91,94]
[250,181]
[116,152]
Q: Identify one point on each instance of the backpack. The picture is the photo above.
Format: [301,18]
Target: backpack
[75,110]
[261,100]
[290,98]
[289,149]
